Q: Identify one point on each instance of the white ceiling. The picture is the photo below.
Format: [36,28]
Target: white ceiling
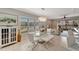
[52,13]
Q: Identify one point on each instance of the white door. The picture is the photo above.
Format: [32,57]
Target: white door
[4,35]
[7,35]
[12,34]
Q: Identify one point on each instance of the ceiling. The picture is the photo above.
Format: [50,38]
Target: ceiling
[51,13]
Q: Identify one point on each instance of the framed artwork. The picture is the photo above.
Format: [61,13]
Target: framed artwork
[6,19]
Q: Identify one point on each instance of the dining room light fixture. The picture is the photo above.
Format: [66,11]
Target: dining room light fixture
[42,19]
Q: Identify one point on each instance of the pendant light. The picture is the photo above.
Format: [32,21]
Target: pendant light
[42,19]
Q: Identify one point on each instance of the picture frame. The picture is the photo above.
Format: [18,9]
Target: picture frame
[8,19]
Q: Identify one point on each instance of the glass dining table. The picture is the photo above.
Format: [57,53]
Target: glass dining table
[43,39]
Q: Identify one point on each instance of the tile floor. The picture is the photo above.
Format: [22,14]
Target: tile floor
[25,45]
